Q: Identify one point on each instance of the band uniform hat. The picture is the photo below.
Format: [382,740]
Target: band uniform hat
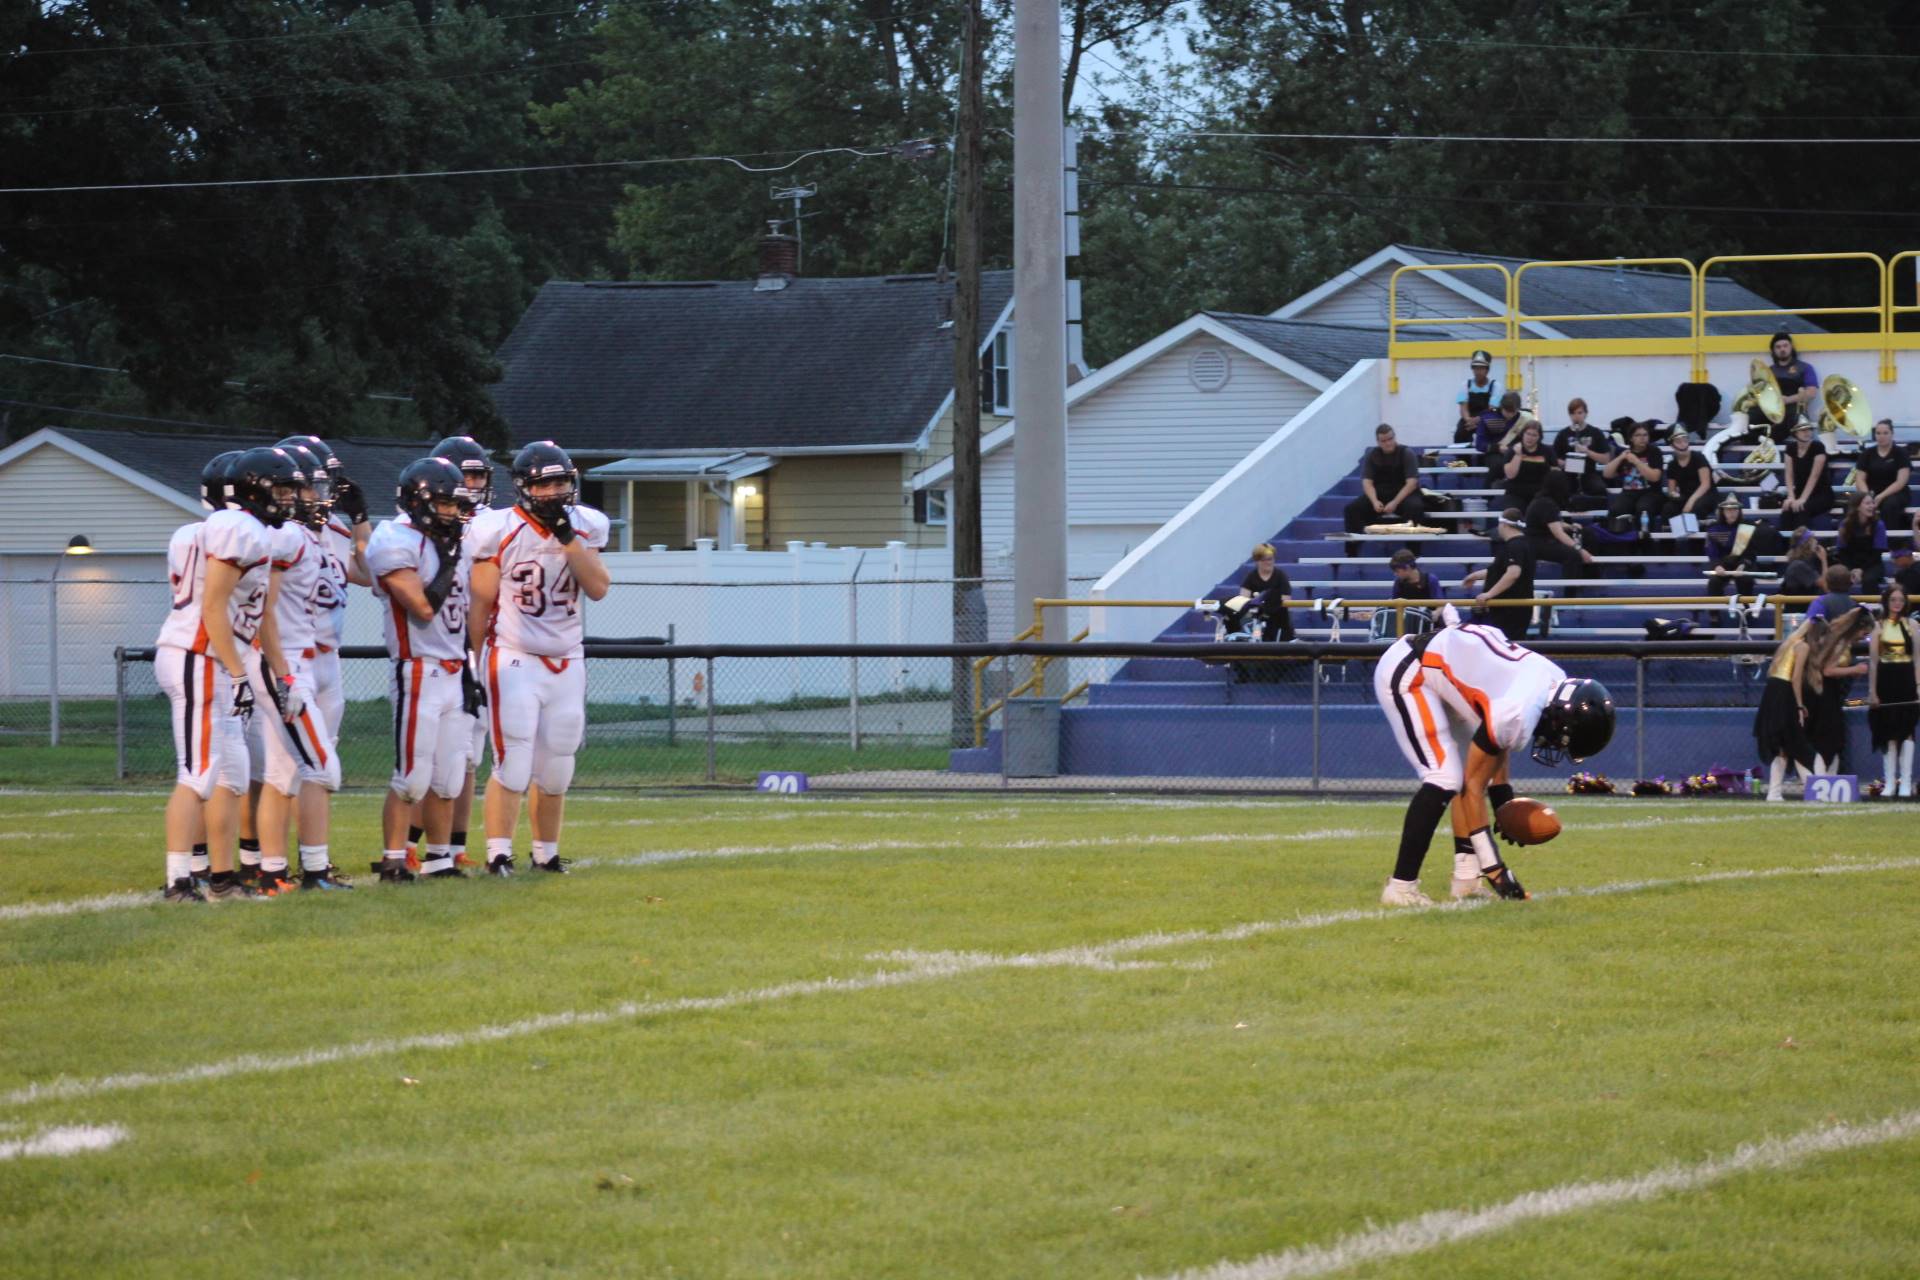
[1480,360]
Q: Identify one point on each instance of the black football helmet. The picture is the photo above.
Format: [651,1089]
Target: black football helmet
[474,462]
[426,482]
[1577,723]
[214,479]
[316,446]
[266,482]
[313,511]
[544,460]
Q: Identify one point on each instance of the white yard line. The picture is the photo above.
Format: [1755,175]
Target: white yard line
[38,837]
[77,906]
[1451,1226]
[66,1140]
[914,968]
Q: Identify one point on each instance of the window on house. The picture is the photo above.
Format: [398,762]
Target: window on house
[936,506]
[1003,372]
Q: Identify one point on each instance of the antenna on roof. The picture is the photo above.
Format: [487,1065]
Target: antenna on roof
[796,194]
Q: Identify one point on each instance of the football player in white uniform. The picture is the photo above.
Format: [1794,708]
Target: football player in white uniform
[204,660]
[1472,684]
[301,760]
[343,538]
[476,464]
[420,571]
[531,564]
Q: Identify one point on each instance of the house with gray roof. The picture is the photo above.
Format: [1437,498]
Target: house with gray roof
[756,412]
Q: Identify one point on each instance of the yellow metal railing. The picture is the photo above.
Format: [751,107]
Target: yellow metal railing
[1885,337]
[1454,349]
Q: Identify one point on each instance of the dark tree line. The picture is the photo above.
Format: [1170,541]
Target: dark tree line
[376,306]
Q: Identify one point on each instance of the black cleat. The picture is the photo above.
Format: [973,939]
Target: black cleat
[394,872]
[235,890]
[272,884]
[248,873]
[558,866]
[185,889]
[448,872]
[501,866]
[323,880]
[1505,883]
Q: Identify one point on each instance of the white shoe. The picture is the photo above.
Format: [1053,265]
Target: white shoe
[1403,893]
[1774,797]
[1906,788]
[1474,888]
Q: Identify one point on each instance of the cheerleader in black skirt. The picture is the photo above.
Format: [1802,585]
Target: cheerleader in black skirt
[1830,665]
[1896,642]
[1779,728]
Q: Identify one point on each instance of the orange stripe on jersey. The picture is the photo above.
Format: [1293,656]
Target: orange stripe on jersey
[400,634]
[1475,698]
[200,637]
[537,526]
[413,710]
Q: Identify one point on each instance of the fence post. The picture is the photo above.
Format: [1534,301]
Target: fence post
[1006,721]
[119,713]
[712,773]
[53,658]
[853,664]
[1640,716]
[1314,670]
[673,712]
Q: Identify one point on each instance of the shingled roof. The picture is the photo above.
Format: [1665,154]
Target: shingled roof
[1577,291]
[820,364]
[174,459]
[1327,349]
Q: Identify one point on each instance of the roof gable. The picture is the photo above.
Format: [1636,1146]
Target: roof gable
[819,364]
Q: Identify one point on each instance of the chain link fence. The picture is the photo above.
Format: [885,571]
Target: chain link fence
[1099,717]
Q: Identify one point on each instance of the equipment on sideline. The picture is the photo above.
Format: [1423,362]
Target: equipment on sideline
[215,480]
[544,460]
[474,462]
[1762,393]
[1575,724]
[1523,821]
[258,477]
[427,481]
[1843,407]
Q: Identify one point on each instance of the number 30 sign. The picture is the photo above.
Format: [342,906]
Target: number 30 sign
[1833,788]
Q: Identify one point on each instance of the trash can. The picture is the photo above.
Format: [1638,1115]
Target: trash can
[1030,741]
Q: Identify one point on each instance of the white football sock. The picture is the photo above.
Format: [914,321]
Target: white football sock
[499,847]
[435,857]
[1466,866]
[201,860]
[1484,849]
[394,855]
[179,867]
[313,857]
[274,862]
[545,851]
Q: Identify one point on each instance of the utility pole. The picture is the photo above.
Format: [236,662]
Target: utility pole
[1040,317]
[963,511]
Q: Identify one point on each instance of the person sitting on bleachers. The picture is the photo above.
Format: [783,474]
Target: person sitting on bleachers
[1689,482]
[1498,427]
[1525,466]
[1269,587]
[1550,534]
[1906,570]
[1806,565]
[1509,577]
[1799,386]
[1410,581]
[1479,394]
[1639,469]
[1883,471]
[1861,544]
[1734,546]
[1583,449]
[1808,479]
[1389,486]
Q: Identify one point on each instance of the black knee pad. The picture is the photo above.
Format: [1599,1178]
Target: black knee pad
[1432,799]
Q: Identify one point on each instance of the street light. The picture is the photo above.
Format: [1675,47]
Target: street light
[77,545]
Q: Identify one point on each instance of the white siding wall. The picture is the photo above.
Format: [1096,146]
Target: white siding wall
[47,495]
[1364,300]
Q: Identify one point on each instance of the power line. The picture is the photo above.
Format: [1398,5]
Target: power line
[736,161]
[130,417]
[299,35]
[230,382]
[1515,138]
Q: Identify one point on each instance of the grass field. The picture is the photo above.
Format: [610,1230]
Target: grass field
[881,1036]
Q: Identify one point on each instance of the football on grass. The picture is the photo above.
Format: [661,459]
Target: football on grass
[1525,821]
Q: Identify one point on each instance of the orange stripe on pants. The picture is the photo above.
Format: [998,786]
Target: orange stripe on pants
[206,718]
[413,711]
[1426,722]
[493,705]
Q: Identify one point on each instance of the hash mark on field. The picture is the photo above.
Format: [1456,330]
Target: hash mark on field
[77,906]
[1450,1226]
[919,967]
[65,1140]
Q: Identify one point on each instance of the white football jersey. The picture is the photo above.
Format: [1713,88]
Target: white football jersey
[539,610]
[236,537]
[1485,678]
[336,543]
[298,558]
[397,545]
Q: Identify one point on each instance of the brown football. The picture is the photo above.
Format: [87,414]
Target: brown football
[1525,821]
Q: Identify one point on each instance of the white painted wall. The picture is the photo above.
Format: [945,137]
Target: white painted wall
[1261,493]
[1617,386]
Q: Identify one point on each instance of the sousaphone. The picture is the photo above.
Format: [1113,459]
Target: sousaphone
[1762,393]
[1844,408]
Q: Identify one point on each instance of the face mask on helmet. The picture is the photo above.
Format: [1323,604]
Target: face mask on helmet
[544,466]
[314,501]
[1576,724]
[475,463]
[434,496]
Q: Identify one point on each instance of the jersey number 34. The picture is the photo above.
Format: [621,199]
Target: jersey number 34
[535,596]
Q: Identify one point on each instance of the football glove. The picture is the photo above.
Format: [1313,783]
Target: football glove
[287,698]
[349,500]
[473,694]
[562,525]
[243,698]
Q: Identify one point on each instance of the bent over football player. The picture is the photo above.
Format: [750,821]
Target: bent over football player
[419,570]
[1472,684]
[531,564]
[204,659]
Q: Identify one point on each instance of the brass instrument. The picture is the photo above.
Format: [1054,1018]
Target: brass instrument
[1843,407]
[1762,393]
